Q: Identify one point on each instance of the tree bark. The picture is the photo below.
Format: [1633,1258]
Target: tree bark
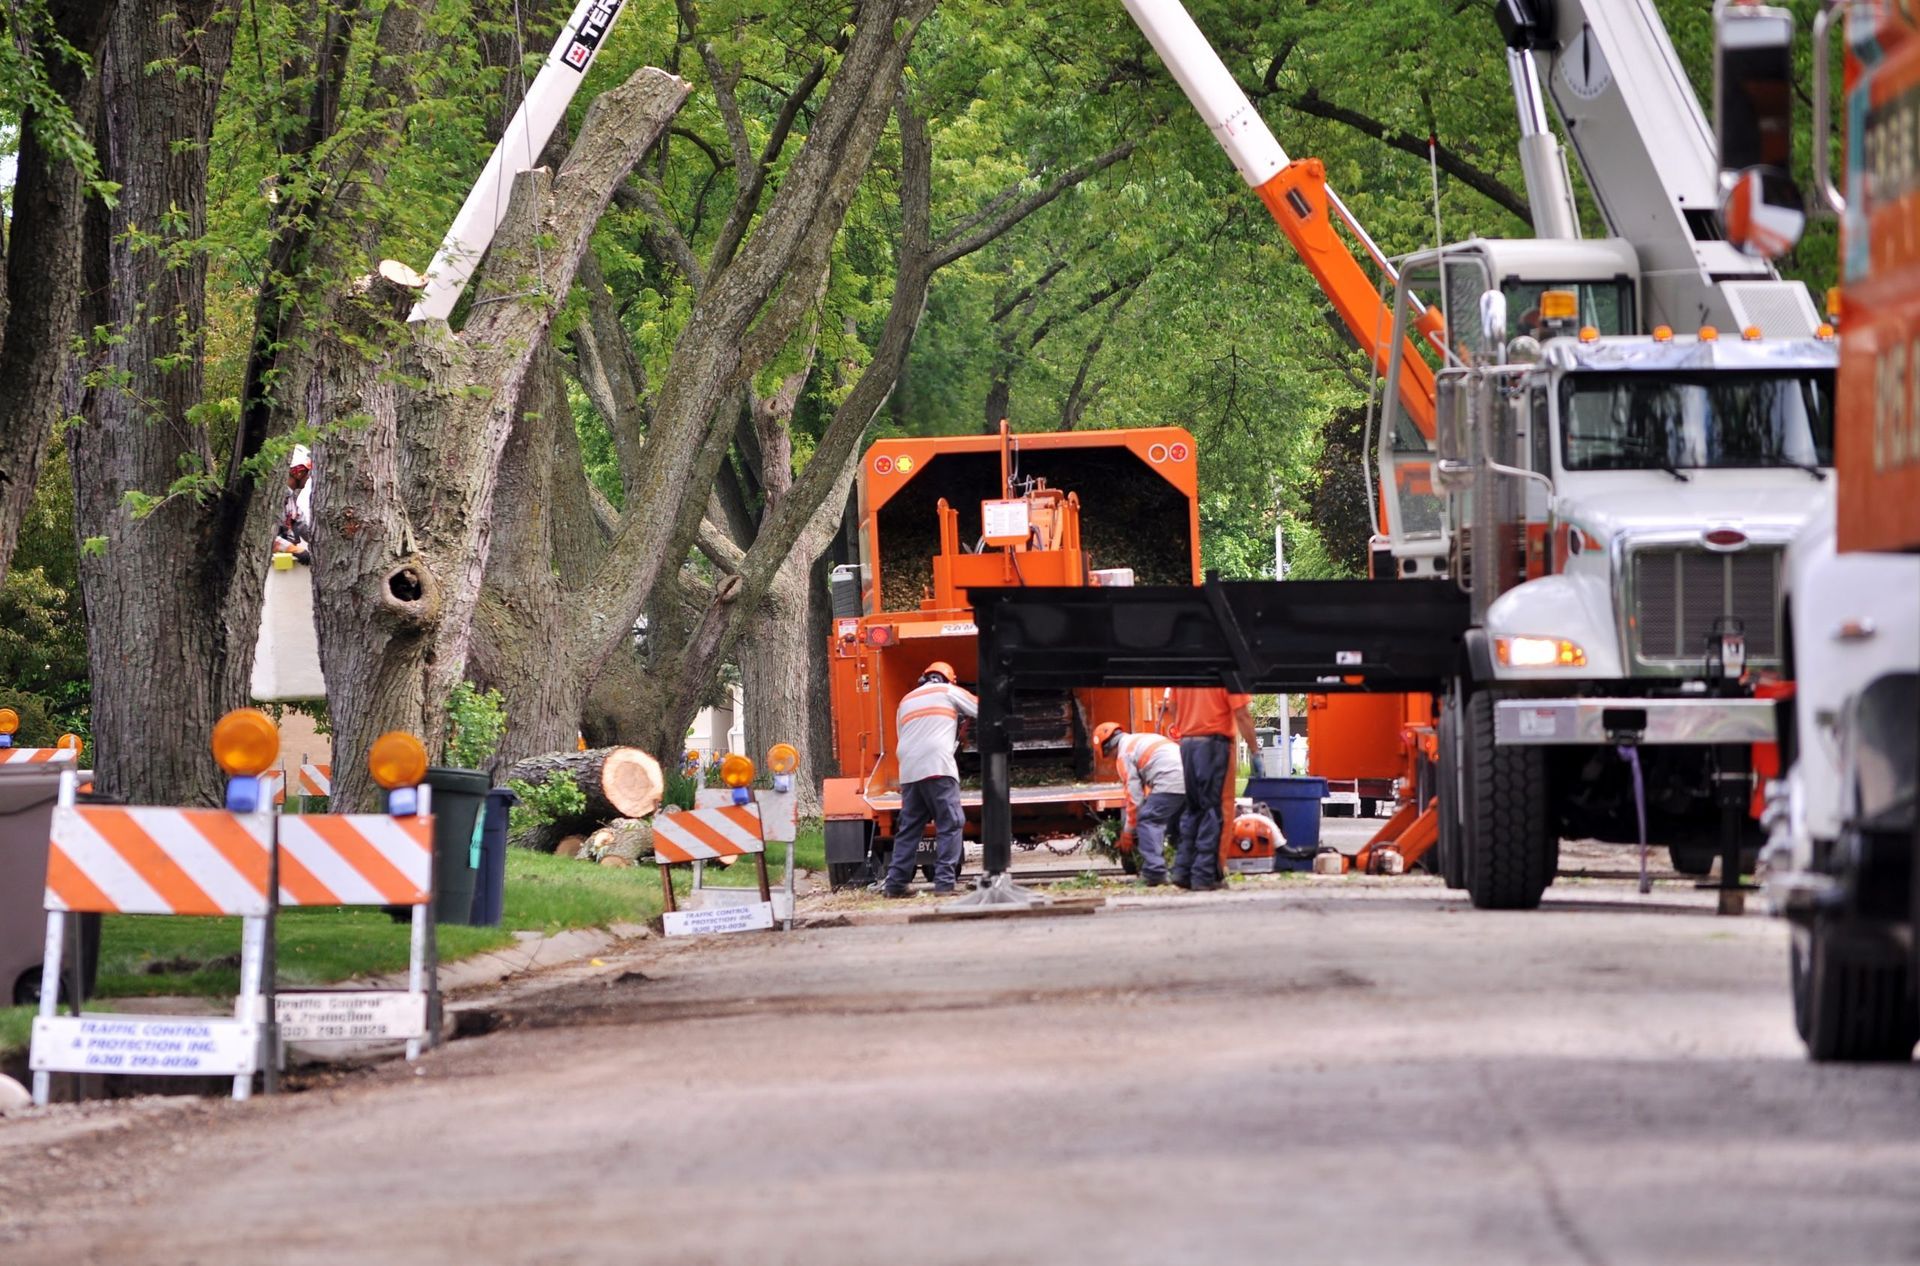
[43,283]
[166,653]
[618,782]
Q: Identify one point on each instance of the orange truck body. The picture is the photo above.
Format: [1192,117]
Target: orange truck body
[1877,414]
[923,541]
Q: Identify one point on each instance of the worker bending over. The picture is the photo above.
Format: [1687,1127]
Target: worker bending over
[1204,719]
[927,729]
[1156,792]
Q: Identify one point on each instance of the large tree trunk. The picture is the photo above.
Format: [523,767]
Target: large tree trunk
[782,652]
[165,660]
[43,281]
[403,531]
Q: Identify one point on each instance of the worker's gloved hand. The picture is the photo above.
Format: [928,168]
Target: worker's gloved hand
[1125,843]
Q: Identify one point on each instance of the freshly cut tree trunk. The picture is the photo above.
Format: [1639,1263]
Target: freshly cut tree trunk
[619,782]
[630,838]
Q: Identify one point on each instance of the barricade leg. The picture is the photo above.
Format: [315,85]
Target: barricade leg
[50,993]
[253,994]
[790,889]
[760,860]
[416,973]
[666,889]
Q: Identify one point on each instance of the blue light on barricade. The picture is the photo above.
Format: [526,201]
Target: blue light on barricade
[243,794]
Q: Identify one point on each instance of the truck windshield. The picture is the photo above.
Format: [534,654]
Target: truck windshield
[1669,422]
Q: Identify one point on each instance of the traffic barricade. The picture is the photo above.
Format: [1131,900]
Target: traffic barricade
[724,824]
[103,859]
[311,782]
[368,859]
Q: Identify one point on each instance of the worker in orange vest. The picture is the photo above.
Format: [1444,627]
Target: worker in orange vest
[1156,792]
[926,731]
[1204,719]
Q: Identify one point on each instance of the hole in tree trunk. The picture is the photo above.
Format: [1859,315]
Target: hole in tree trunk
[406,585]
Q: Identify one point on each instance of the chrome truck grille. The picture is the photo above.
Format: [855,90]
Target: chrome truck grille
[1677,592]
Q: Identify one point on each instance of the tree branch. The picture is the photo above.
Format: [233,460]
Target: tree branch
[952,248]
[1482,182]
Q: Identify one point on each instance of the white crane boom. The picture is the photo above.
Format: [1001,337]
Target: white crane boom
[519,149]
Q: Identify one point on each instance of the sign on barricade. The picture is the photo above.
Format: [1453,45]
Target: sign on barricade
[103,859]
[364,859]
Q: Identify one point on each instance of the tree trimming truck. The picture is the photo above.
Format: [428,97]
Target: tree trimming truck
[1597,450]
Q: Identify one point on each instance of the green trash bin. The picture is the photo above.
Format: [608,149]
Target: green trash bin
[459,796]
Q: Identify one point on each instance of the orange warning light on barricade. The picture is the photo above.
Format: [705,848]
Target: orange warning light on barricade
[69,743]
[397,759]
[245,742]
[9,721]
[782,758]
[736,771]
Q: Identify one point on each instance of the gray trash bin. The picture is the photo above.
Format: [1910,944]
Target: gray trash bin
[27,795]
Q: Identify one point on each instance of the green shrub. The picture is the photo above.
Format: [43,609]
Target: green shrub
[556,798]
[476,720]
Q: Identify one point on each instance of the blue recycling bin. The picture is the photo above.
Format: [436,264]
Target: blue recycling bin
[1295,803]
[490,875]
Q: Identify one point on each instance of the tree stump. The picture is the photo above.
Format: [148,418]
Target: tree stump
[618,782]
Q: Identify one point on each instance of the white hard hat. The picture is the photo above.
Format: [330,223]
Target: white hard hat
[301,457]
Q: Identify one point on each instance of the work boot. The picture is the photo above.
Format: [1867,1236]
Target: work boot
[947,891]
[893,893]
[1153,881]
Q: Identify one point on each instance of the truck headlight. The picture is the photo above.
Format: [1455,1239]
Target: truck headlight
[1539,652]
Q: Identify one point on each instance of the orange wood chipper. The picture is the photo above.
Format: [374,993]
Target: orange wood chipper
[941,516]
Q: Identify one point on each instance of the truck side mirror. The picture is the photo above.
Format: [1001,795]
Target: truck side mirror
[1761,210]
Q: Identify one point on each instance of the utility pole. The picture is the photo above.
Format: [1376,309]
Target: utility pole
[1286,704]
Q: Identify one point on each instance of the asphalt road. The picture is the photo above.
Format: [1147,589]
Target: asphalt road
[1314,1073]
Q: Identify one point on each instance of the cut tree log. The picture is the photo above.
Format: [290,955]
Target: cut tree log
[619,782]
[630,838]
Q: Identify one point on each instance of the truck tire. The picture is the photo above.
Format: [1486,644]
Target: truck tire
[1449,864]
[1511,851]
[1851,1002]
[1697,862]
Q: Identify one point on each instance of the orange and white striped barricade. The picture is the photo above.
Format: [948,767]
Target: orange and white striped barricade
[104,859]
[38,755]
[702,835]
[311,781]
[363,859]
[779,823]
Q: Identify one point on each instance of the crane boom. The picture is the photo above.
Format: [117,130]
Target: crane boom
[1642,140]
[1297,195]
[519,149]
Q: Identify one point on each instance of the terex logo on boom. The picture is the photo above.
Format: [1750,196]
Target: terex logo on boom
[593,29]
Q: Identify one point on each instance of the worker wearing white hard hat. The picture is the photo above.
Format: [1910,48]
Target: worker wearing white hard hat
[926,731]
[295,534]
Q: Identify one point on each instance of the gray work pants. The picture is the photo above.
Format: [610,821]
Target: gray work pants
[1205,762]
[935,800]
[1159,813]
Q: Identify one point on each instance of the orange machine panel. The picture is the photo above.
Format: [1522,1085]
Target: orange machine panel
[1359,735]
[1877,428]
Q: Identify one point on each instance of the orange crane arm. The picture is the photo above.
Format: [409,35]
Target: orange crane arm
[1297,195]
[1302,205]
